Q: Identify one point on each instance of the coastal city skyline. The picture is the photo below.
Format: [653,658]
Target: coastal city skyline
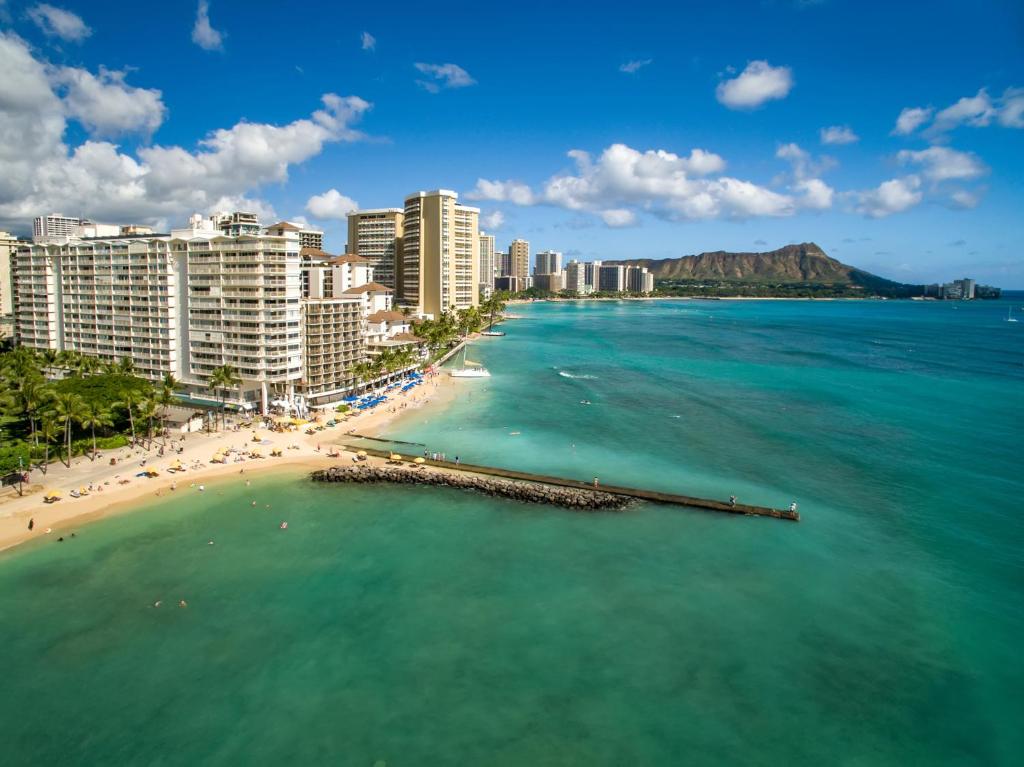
[723,142]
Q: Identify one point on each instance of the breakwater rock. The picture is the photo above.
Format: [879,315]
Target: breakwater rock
[529,492]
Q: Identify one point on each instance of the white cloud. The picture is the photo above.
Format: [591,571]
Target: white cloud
[502,191]
[203,34]
[661,182]
[814,194]
[493,220]
[893,196]
[838,134]
[977,111]
[106,105]
[444,76]
[368,41]
[42,172]
[631,67]
[940,163]
[961,198]
[618,217]
[331,204]
[56,22]
[1012,113]
[758,83]
[910,119]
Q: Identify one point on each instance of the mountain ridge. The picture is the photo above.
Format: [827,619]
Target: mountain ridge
[802,263]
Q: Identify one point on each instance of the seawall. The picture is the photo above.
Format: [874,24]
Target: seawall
[529,492]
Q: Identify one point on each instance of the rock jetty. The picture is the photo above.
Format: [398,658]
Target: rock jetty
[577,499]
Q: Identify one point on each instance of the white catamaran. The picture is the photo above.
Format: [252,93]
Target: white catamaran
[468,369]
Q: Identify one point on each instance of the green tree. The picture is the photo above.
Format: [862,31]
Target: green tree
[221,380]
[94,416]
[48,432]
[129,401]
[68,408]
[149,408]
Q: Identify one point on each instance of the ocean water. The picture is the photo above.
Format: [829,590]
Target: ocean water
[392,626]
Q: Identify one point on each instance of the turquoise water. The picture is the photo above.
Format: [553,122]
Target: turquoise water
[407,626]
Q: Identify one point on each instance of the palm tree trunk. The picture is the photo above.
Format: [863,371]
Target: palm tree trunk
[93,456]
[67,437]
[131,422]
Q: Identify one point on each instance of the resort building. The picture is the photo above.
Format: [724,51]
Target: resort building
[503,264]
[547,262]
[576,278]
[8,244]
[519,258]
[377,235]
[238,223]
[55,225]
[591,274]
[639,279]
[440,253]
[487,265]
[611,279]
[508,283]
[552,283]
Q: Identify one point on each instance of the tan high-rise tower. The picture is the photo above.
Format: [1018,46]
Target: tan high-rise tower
[519,254]
[377,235]
[440,253]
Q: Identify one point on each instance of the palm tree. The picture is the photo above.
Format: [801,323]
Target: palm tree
[221,380]
[95,415]
[165,398]
[48,432]
[129,401]
[68,407]
[126,366]
[148,409]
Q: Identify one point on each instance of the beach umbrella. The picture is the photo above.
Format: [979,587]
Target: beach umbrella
[361,454]
[396,457]
[52,495]
[420,459]
[83,490]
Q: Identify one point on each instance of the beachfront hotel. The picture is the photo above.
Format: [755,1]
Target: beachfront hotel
[488,270]
[285,317]
[519,261]
[377,235]
[440,266]
[547,262]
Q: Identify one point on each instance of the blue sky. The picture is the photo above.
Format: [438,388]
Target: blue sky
[694,127]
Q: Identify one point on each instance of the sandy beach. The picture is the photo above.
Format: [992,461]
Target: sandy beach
[118,489]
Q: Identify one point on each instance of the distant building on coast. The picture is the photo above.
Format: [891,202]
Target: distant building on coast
[487,265]
[611,279]
[961,290]
[547,262]
[576,278]
[519,256]
[508,283]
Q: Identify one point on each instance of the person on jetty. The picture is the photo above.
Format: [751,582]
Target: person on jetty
[792,507]
[732,500]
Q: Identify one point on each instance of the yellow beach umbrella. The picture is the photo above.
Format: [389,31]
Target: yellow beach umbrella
[396,457]
[420,459]
[83,490]
[361,454]
[52,495]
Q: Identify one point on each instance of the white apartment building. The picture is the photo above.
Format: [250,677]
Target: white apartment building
[487,266]
[639,279]
[8,244]
[55,225]
[576,278]
[592,272]
[440,253]
[547,262]
[377,235]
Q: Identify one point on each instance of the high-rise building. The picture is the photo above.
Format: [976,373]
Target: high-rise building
[8,244]
[440,253]
[55,225]
[519,255]
[238,223]
[575,277]
[487,265]
[377,235]
[547,262]
[639,279]
[611,279]
[503,264]
[592,270]
[552,283]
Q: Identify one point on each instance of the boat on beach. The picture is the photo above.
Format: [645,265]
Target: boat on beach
[467,369]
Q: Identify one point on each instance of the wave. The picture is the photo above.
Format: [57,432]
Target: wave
[581,376]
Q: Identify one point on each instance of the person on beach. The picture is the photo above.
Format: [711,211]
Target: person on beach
[31,523]
[595,481]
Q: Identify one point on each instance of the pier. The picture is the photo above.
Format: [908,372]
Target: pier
[654,496]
